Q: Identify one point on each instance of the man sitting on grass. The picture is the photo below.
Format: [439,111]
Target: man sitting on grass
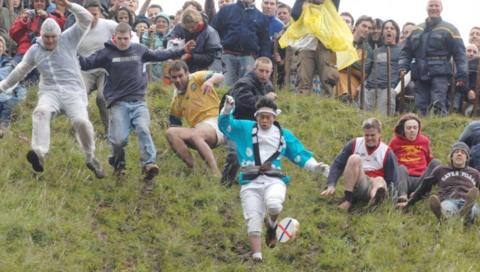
[368,166]
[458,187]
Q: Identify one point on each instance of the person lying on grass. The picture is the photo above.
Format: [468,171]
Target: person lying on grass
[458,187]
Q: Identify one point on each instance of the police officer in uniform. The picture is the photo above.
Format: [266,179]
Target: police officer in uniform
[427,52]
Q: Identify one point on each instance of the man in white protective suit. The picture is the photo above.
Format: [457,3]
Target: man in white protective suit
[61,88]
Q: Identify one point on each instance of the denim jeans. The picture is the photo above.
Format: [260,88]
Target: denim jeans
[451,207]
[123,117]
[236,67]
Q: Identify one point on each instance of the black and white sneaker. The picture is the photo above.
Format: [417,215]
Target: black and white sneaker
[35,160]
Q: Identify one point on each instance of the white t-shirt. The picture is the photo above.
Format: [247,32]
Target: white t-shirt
[97,37]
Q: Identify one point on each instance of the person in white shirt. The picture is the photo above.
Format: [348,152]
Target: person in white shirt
[101,31]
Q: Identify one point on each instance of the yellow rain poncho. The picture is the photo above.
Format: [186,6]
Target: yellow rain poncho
[324,22]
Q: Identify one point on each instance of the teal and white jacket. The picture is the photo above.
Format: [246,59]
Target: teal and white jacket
[241,131]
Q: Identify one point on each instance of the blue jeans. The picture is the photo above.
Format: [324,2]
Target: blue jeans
[125,116]
[451,207]
[432,94]
[236,67]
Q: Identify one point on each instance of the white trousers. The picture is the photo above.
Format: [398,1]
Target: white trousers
[74,105]
[263,194]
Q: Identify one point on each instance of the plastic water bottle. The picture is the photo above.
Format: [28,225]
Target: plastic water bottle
[316,85]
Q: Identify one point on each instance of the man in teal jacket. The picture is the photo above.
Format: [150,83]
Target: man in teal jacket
[260,147]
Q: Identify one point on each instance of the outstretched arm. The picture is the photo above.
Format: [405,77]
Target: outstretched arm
[83,20]
[20,71]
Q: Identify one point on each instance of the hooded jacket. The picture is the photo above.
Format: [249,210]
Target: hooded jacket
[126,79]
[25,30]
[414,155]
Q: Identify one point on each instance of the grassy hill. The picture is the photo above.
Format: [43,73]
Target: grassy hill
[66,220]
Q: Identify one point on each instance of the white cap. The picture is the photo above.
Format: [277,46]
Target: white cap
[50,27]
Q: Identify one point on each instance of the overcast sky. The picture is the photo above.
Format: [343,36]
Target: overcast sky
[462,13]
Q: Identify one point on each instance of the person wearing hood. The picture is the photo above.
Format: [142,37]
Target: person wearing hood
[124,93]
[458,187]
[27,26]
[207,55]
[246,92]
[157,40]
[413,153]
[61,88]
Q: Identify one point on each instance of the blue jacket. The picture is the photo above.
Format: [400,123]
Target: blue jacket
[243,30]
[208,50]
[274,26]
[430,47]
[240,131]
[20,92]
[126,79]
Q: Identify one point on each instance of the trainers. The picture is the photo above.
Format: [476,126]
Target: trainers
[96,168]
[150,171]
[470,200]
[436,207]
[271,236]
[35,160]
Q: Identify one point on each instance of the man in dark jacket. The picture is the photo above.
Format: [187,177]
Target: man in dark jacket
[207,54]
[124,93]
[243,30]
[246,92]
[458,187]
[432,44]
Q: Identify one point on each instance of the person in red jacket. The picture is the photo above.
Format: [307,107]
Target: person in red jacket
[27,26]
[413,153]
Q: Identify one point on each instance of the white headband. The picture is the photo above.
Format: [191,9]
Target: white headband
[267,110]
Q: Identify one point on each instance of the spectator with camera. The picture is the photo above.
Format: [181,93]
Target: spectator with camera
[26,27]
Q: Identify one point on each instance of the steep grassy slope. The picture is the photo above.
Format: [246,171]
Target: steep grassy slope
[66,220]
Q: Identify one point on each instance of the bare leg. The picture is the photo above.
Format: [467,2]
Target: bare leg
[377,183]
[177,138]
[203,140]
[352,174]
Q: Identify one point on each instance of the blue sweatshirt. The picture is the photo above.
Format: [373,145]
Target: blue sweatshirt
[126,79]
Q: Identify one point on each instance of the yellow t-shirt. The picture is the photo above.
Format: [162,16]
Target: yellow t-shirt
[193,105]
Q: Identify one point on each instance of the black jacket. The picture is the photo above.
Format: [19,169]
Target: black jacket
[246,92]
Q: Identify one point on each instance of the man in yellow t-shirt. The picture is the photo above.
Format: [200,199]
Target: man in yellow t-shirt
[196,101]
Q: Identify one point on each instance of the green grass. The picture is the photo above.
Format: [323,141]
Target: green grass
[66,220]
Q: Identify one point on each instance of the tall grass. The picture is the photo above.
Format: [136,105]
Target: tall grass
[66,220]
